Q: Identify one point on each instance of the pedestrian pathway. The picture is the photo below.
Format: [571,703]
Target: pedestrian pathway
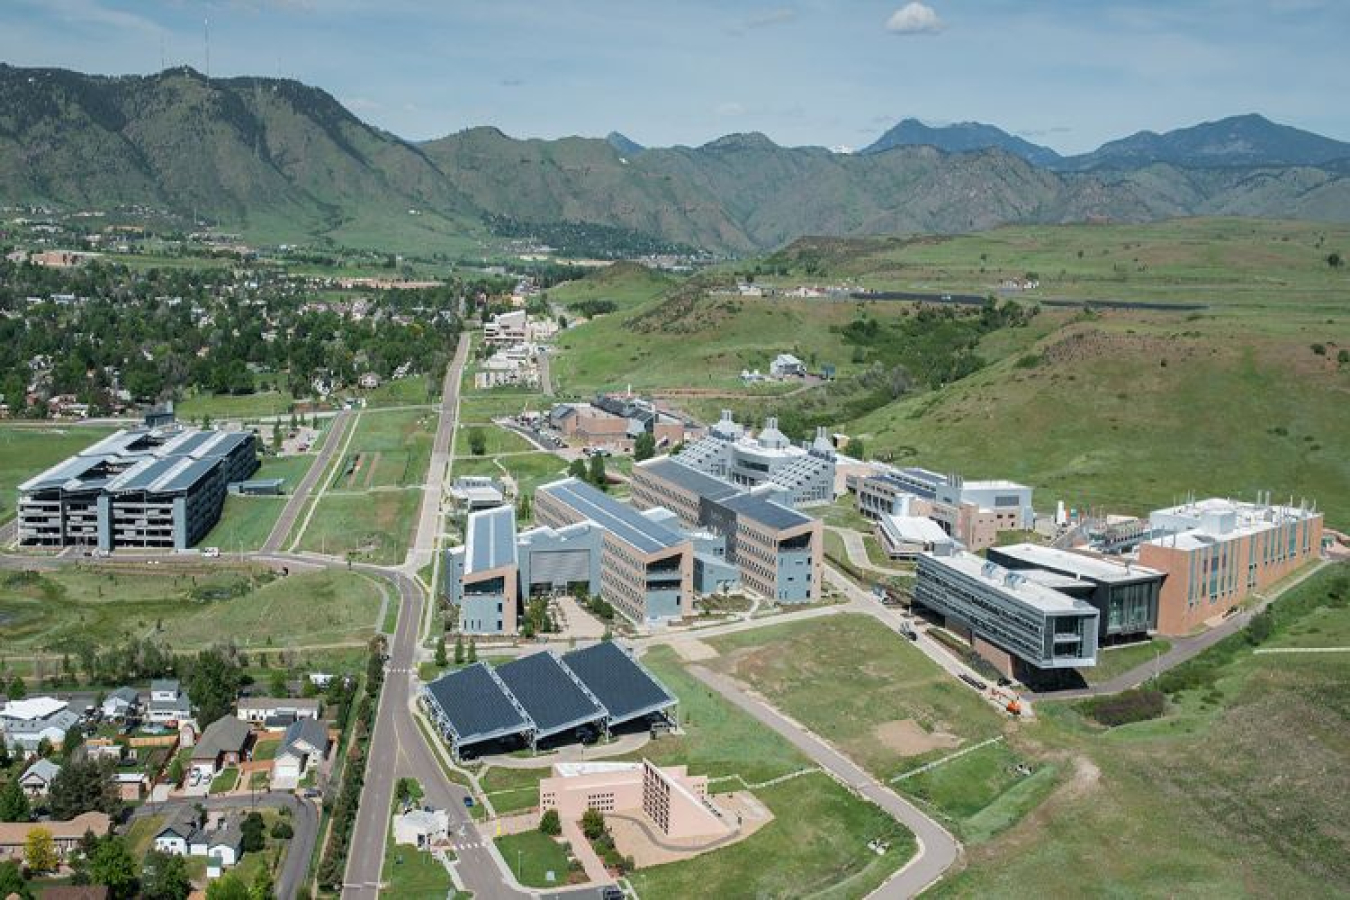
[951,757]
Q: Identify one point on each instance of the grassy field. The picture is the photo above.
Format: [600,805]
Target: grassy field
[227,406]
[412,873]
[1238,790]
[529,470]
[879,699]
[57,610]
[1113,661]
[247,521]
[372,498]
[27,450]
[512,790]
[531,855]
[496,440]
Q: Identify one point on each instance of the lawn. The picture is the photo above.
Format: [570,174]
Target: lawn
[27,450]
[190,610]
[389,448]
[878,698]
[375,526]
[414,874]
[247,521]
[411,391]
[512,790]
[1113,661]
[484,407]
[227,406]
[532,855]
[1238,790]
[225,781]
[530,470]
[495,438]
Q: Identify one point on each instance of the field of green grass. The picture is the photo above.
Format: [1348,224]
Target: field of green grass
[497,440]
[512,790]
[1113,661]
[27,450]
[531,855]
[247,521]
[414,874]
[879,699]
[372,498]
[58,610]
[229,406]
[1238,790]
[529,470]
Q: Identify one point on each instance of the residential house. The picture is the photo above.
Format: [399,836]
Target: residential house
[36,781]
[131,786]
[65,834]
[304,746]
[121,703]
[224,743]
[277,712]
[25,724]
[226,844]
[168,703]
[178,834]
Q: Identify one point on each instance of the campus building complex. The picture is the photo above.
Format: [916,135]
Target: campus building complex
[673,801]
[1010,619]
[1216,552]
[1124,594]
[545,697]
[776,550]
[973,512]
[148,488]
[615,422]
[729,452]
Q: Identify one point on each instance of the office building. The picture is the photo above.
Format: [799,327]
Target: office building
[905,537]
[1124,593]
[483,575]
[1009,619]
[1217,552]
[973,512]
[776,549]
[804,473]
[615,421]
[144,488]
[673,802]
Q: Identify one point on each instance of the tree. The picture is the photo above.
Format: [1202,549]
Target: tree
[83,785]
[176,770]
[856,448]
[17,690]
[549,823]
[282,830]
[71,742]
[277,684]
[253,831]
[524,507]
[228,887]
[645,446]
[1334,260]
[112,865]
[164,877]
[39,852]
[577,469]
[262,887]
[441,659]
[4,753]
[11,880]
[473,651]
[14,803]
[459,649]
[592,823]
[477,441]
[213,685]
[597,472]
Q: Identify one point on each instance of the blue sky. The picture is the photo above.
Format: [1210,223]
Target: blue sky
[1066,74]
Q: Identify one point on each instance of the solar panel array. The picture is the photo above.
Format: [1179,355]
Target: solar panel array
[549,694]
[626,689]
[476,705]
[543,694]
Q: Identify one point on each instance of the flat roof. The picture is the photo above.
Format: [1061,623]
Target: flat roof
[1081,565]
[919,529]
[1010,584]
[165,459]
[764,511]
[620,519]
[690,479]
[490,540]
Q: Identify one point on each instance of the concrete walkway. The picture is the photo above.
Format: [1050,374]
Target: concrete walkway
[856,549]
[937,850]
[582,850]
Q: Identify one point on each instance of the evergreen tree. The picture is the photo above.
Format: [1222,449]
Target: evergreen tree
[597,472]
[14,805]
[441,659]
[164,877]
[17,689]
[459,649]
[473,651]
[645,446]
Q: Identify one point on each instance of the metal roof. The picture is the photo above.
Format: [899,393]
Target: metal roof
[618,518]
[133,459]
[551,695]
[700,483]
[625,688]
[490,540]
[766,512]
[1079,565]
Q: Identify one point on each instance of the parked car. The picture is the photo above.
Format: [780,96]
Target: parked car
[211,552]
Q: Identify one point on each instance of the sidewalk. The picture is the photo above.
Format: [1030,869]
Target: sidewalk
[582,850]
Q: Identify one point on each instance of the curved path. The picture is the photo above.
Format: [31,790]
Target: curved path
[857,553]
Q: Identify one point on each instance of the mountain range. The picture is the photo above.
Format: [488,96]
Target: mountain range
[282,160]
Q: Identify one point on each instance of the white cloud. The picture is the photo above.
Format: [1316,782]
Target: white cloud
[730,108]
[914,18]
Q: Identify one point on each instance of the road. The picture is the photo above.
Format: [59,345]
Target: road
[296,504]
[304,819]
[442,452]
[937,850]
[545,377]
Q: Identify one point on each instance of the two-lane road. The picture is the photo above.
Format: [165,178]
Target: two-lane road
[295,505]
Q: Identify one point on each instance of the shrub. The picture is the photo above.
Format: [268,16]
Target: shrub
[1319,349]
[592,823]
[549,823]
[282,831]
[1137,705]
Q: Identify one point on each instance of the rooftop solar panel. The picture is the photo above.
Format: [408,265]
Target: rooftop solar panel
[622,520]
[476,706]
[690,479]
[491,540]
[766,512]
[549,693]
[627,690]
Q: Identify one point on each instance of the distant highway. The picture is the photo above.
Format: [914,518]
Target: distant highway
[979,300]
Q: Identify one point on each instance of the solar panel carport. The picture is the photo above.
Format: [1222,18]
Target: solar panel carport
[551,695]
[542,695]
[626,689]
[472,705]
